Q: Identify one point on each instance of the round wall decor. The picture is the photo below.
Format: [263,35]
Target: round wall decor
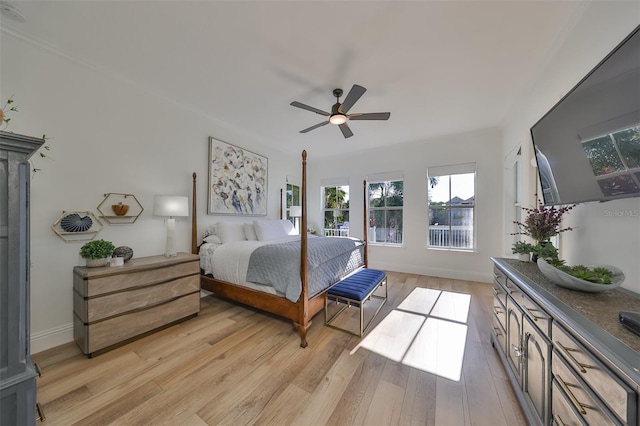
[74,223]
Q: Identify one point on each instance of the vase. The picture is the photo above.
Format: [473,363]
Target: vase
[95,263]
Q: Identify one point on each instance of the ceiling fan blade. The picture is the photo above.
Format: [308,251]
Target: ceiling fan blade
[346,131]
[309,108]
[352,97]
[314,127]
[370,116]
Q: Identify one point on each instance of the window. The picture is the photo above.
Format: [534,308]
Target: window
[451,205]
[386,201]
[292,197]
[335,207]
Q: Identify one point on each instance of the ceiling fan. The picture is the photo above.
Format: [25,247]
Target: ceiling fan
[338,115]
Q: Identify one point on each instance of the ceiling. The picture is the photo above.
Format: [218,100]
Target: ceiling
[438,67]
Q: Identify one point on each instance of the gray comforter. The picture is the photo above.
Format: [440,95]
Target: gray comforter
[328,258]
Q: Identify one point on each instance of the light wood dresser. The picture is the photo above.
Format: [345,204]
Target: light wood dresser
[114,305]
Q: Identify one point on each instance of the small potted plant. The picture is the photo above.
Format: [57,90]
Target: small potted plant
[523,250]
[97,252]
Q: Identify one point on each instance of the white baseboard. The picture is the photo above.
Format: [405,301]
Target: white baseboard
[47,339]
[51,338]
[455,274]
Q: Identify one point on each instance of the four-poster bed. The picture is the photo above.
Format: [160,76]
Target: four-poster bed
[307,305]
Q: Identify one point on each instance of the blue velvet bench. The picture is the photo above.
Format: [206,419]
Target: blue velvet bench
[355,291]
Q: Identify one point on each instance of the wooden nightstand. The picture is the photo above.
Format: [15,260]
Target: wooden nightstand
[113,305]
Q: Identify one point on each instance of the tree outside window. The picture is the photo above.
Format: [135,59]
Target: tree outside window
[386,201]
[336,210]
[451,206]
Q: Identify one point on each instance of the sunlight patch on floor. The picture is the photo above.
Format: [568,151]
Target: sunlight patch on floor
[427,331]
[392,338]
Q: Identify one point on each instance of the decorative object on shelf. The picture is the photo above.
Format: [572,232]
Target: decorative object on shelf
[120,209]
[74,223]
[566,280]
[97,252]
[125,252]
[74,226]
[237,180]
[117,208]
[171,206]
[541,224]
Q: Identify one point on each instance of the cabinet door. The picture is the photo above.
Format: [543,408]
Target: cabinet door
[537,362]
[514,338]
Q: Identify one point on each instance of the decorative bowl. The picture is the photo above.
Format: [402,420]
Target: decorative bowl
[74,223]
[565,280]
[120,209]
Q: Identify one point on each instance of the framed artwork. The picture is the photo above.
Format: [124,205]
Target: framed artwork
[237,180]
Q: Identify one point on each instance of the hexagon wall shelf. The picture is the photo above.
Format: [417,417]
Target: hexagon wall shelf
[117,209]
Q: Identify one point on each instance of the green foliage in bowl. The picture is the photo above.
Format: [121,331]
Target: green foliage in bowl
[597,275]
[97,249]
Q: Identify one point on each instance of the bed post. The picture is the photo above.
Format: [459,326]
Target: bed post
[194,218]
[365,223]
[304,322]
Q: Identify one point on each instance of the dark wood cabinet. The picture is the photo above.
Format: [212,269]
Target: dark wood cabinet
[17,372]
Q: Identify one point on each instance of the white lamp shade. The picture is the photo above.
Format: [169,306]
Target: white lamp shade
[170,205]
[295,211]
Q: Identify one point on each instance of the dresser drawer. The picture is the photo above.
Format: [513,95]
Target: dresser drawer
[617,395]
[499,311]
[562,411]
[113,304]
[500,334]
[114,281]
[103,334]
[589,406]
[499,276]
[530,308]
[500,292]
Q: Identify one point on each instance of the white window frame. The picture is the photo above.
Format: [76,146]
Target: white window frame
[291,183]
[386,178]
[334,183]
[450,170]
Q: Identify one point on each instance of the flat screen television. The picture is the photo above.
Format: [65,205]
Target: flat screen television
[588,145]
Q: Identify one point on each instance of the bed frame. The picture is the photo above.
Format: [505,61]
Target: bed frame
[300,312]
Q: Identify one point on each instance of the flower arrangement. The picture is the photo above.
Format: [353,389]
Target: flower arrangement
[542,223]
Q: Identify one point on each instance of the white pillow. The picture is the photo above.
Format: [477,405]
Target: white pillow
[211,230]
[249,231]
[231,231]
[288,227]
[269,230]
[212,239]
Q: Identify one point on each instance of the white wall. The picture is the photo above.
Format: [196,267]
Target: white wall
[606,233]
[482,147]
[107,135]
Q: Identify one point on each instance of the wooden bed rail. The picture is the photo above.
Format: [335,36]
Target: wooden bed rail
[299,312]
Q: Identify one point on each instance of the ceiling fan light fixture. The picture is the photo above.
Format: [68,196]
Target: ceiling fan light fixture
[338,119]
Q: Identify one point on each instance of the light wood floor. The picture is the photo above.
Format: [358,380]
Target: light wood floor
[233,365]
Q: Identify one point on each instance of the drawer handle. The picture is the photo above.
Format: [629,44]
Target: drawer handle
[497,331]
[558,420]
[535,317]
[567,351]
[579,405]
[516,350]
[40,413]
[496,309]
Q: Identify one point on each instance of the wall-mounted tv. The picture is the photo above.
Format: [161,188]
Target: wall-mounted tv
[588,145]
